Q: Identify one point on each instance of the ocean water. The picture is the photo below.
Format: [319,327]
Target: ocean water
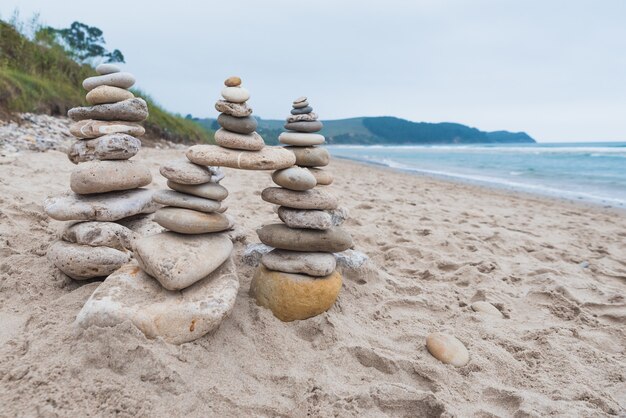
[592,172]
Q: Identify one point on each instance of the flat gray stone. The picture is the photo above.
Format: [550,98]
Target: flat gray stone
[350,259]
[211,191]
[99,234]
[245,125]
[108,176]
[312,219]
[90,128]
[238,110]
[253,253]
[107,147]
[307,127]
[302,111]
[186,221]
[104,69]
[233,140]
[82,262]
[294,178]
[181,316]
[269,158]
[281,236]
[117,79]
[131,110]
[310,156]
[309,199]
[183,200]
[102,207]
[312,264]
[177,261]
[184,171]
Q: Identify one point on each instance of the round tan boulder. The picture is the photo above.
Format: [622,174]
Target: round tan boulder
[310,156]
[82,262]
[294,178]
[108,94]
[447,349]
[323,177]
[233,140]
[187,221]
[291,296]
[268,158]
[108,176]
[233,81]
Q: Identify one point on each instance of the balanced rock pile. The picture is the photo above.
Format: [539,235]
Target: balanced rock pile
[298,278]
[106,183]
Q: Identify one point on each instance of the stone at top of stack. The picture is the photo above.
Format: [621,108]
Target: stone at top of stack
[238,143]
[298,279]
[105,183]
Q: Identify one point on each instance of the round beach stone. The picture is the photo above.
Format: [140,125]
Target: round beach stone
[312,219]
[108,176]
[280,236]
[178,261]
[294,178]
[90,128]
[302,110]
[300,105]
[101,207]
[108,94]
[305,127]
[301,139]
[238,110]
[307,117]
[107,147]
[119,79]
[233,140]
[447,349]
[312,264]
[323,177]
[99,234]
[308,199]
[183,171]
[291,296]
[235,94]
[300,99]
[130,294]
[184,200]
[486,308]
[268,158]
[310,156]
[187,221]
[212,191]
[232,81]
[130,110]
[245,125]
[82,262]
[104,69]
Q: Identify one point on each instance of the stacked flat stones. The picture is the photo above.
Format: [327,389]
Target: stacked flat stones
[298,278]
[106,184]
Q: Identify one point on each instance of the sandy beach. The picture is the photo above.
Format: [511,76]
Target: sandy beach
[556,270]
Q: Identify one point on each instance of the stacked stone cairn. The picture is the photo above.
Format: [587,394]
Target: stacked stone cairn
[298,278]
[106,183]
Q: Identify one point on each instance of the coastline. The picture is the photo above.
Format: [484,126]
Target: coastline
[553,268]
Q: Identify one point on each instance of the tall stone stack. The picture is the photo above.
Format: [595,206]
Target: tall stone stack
[106,184]
[298,278]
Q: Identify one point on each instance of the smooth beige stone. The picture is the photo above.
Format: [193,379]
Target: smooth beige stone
[291,296]
[108,94]
[269,158]
[232,81]
[107,147]
[178,316]
[301,139]
[300,105]
[183,200]
[108,176]
[118,79]
[187,221]
[101,207]
[99,234]
[82,262]
[90,128]
[310,156]
[235,94]
[323,177]
[447,349]
[107,68]
[130,110]
[280,236]
[294,178]
[300,99]
[211,191]
[487,308]
[185,172]
[240,110]
[312,264]
[308,199]
[312,219]
[233,140]
[177,261]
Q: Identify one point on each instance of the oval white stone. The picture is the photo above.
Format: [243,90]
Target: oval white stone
[486,308]
[235,94]
[447,349]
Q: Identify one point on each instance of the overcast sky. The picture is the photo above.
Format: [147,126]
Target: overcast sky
[555,69]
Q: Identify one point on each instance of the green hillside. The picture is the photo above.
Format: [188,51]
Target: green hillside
[41,77]
[390,130]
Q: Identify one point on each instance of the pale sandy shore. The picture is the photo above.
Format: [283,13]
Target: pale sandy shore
[556,270]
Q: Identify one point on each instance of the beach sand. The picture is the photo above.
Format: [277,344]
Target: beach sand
[556,270]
